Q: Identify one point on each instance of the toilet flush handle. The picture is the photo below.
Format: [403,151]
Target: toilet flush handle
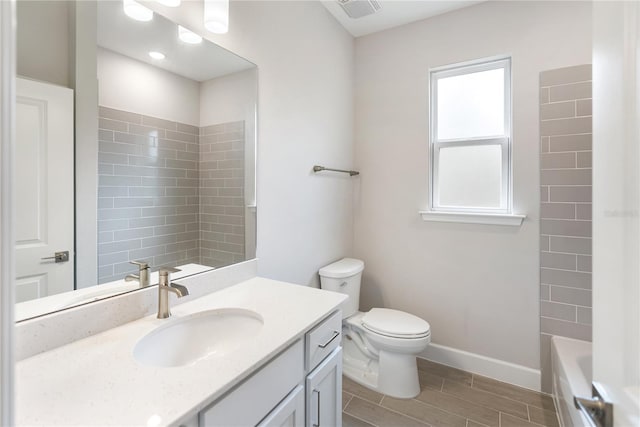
[343,284]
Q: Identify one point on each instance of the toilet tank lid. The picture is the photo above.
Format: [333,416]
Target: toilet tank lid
[346,267]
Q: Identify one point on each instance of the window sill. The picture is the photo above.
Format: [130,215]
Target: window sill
[513,220]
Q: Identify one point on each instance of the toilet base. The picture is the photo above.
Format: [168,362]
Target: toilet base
[392,374]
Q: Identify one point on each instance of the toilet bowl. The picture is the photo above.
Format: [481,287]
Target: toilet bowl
[380,346]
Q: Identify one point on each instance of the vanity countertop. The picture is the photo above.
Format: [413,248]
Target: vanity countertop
[96,381]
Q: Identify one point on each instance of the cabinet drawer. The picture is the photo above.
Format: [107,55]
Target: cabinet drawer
[249,402]
[322,340]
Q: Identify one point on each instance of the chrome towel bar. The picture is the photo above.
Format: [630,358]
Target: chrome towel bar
[317,168]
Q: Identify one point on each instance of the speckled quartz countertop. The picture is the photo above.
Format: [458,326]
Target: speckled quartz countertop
[96,381]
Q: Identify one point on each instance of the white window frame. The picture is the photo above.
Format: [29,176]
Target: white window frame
[504,141]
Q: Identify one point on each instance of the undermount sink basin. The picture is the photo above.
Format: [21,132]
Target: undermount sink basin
[204,335]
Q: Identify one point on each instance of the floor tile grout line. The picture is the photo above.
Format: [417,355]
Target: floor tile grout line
[501,395]
[480,390]
[348,401]
[473,375]
[517,401]
[448,367]
[490,407]
[409,416]
[531,422]
[362,397]
[360,419]
[444,410]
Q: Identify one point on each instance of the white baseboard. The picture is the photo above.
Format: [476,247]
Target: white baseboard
[482,365]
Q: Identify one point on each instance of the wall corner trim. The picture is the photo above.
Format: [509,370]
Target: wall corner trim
[500,370]
[474,218]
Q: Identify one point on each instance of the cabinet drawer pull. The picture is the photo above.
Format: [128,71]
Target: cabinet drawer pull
[336,334]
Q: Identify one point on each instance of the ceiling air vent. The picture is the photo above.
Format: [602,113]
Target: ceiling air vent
[359,8]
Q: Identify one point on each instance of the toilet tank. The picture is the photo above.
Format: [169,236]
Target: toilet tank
[344,276]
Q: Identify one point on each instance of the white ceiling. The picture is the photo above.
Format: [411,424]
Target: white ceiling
[201,62]
[393,14]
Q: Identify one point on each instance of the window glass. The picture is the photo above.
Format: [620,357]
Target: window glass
[471,105]
[470,176]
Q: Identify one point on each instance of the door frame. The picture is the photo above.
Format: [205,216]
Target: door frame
[7,266]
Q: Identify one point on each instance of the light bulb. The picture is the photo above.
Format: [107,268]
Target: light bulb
[188,36]
[156,55]
[135,10]
[216,16]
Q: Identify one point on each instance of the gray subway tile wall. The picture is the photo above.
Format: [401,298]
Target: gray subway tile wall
[154,201]
[221,169]
[565,207]
[141,201]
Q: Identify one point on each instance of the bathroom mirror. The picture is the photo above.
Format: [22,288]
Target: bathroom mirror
[136,141]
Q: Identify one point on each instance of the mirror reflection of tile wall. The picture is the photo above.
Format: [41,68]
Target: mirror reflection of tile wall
[169,193]
[222,223]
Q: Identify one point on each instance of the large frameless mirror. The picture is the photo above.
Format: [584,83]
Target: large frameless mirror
[136,142]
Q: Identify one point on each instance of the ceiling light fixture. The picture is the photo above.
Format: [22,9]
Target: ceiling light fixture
[216,16]
[156,55]
[188,36]
[135,10]
[170,3]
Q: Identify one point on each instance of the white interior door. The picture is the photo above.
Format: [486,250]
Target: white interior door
[616,207]
[44,217]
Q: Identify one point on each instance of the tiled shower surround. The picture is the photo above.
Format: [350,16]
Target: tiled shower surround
[222,194]
[565,210]
[149,195]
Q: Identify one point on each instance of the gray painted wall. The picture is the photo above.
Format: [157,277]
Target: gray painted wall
[477,285]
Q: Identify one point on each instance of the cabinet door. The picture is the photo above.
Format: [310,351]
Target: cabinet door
[256,397]
[324,392]
[289,413]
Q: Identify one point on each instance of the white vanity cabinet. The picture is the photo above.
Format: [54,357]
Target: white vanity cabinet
[289,413]
[324,392]
[260,394]
[323,383]
[302,386]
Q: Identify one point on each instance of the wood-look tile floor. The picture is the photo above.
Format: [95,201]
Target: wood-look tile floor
[449,397]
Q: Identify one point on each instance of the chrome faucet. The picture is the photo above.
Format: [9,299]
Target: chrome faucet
[164,287]
[143,273]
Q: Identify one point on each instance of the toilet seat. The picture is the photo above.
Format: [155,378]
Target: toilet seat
[395,324]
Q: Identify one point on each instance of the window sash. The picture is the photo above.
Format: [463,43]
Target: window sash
[505,187]
[503,140]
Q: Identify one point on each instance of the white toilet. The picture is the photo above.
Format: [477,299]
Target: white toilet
[380,346]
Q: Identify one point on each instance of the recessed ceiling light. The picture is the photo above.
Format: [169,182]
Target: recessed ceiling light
[188,36]
[216,16]
[156,55]
[135,10]
[170,3]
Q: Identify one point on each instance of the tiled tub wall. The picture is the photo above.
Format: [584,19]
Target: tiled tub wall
[222,229]
[565,210]
[148,201]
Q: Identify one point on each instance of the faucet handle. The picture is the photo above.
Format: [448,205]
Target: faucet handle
[141,264]
[164,271]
